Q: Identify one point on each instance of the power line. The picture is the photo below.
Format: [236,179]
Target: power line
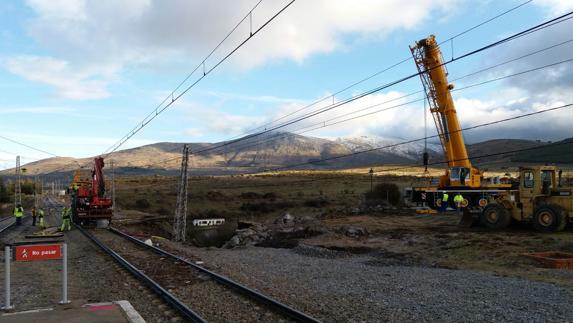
[158,110]
[415,140]
[428,137]
[28,146]
[383,70]
[387,68]
[390,84]
[326,123]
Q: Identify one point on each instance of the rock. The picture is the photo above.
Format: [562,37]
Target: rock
[285,219]
[353,231]
[248,236]
[305,219]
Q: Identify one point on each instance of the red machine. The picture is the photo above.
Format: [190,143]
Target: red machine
[88,195]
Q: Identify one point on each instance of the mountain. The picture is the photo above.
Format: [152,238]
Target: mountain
[282,148]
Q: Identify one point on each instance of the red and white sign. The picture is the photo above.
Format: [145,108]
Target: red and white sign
[38,252]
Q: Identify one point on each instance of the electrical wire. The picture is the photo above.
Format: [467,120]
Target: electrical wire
[390,84]
[383,70]
[174,98]
[28,146]
[327,123]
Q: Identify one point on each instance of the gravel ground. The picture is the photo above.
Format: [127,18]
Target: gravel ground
[93,277]
[212,301]
[338,287]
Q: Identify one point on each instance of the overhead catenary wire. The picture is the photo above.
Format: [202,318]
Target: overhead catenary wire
[175,98]
[390,84]
[366,173]
[28,146]
[532,29]
[328,122]
[377,73]
[328,159]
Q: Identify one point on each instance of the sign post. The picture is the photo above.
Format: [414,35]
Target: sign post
[7,257]
[65,275]
[36,252]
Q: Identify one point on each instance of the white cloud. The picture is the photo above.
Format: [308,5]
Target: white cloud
[118,33]
[555,7]
[74,84]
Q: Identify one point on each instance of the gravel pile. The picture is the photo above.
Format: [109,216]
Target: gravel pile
[342,289]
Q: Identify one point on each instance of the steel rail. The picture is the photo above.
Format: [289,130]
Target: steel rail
[253,294]
[8,226]
[173,301]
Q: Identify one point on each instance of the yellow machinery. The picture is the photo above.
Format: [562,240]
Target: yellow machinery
[433,73]
[539,197]
[460,176]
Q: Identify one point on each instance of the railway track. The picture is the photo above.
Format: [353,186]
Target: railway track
[195,292]
[7,223]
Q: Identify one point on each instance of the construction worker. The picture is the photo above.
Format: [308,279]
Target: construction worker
[33,216]
[445,198]
[66,213]
[458,199]
[18,214]
[41,217]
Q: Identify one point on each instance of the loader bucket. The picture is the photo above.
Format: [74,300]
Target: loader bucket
[467,219]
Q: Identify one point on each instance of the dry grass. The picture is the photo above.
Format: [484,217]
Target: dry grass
[432,239]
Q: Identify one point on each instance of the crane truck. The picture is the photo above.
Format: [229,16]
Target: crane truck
[89,202]
[538,196]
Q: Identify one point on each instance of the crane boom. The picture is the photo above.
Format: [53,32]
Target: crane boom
[433,74]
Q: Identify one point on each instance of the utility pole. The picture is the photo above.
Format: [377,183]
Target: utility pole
[112,187]
[35,188]
[17,186]
[371,172]
[180,223]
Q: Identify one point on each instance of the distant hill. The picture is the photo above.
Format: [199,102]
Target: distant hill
[282,148]
[560,152]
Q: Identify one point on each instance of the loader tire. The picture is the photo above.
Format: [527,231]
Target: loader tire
[495,216]
[549,218]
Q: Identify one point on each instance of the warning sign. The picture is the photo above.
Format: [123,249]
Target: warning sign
[37,252]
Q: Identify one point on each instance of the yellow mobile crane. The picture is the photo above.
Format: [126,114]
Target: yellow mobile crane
[460,176]
[538,197]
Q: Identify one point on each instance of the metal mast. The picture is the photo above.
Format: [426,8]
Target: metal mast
[180,222]
[17,186]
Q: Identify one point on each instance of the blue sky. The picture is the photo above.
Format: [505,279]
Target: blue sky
[75,76]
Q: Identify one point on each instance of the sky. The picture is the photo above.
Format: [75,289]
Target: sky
[76,76]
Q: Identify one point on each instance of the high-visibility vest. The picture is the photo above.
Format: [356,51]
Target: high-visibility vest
[41,213]
[66,213]
[458,198]
[445,197]
[18,212]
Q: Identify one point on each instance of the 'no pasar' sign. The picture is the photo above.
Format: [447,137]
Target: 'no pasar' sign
[38,252]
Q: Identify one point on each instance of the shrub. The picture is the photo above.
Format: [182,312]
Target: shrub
[142,204]
[316,203]
[383,192]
